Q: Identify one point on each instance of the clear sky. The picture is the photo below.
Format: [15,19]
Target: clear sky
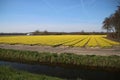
[54,15]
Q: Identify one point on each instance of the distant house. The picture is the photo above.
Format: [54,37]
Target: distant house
[29,34]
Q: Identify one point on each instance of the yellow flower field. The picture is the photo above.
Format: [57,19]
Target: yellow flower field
[61,40]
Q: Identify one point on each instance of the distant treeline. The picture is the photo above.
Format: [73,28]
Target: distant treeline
[68,33]
[56,33]
[2,34]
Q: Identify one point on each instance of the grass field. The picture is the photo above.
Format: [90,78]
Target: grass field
[8,73]
[61,40]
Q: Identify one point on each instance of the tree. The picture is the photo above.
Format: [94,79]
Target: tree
[112,23]
[36,32]
[116,19]
[106,24]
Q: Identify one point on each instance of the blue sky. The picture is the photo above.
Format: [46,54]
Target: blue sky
[54,15]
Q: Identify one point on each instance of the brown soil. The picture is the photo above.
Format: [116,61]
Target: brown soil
[66,49]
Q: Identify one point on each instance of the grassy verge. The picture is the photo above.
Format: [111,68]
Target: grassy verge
[7,73]
[67,59]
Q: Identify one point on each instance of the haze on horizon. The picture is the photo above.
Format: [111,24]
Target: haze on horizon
[54,15]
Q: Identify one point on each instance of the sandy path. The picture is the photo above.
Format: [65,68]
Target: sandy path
[62,49]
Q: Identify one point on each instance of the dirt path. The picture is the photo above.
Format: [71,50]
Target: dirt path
[63,49]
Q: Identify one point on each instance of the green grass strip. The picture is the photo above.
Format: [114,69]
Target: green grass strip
[70,59]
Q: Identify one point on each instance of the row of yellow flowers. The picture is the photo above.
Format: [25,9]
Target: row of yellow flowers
[64,40]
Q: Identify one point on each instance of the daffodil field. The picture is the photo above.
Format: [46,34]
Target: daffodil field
[61,40]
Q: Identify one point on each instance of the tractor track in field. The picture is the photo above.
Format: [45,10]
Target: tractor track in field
[65,49]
